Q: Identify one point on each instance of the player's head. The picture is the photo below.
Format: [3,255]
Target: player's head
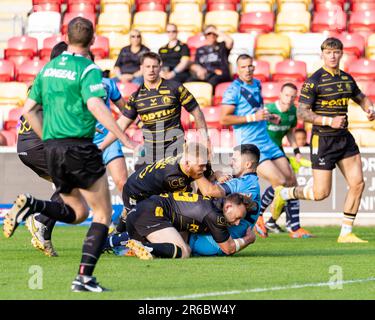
[332,51]
[235,207]
[301,137]
[194,159]
[211,34]
[245,159]
[171,31]
[80,32]
[287,96]
[245,67]
[58,49]
[150,66]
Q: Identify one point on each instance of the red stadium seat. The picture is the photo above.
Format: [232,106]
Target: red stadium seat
[194,42]
[40,2]
[127,89]
[362,5]
[86,7]
[329,21]
[353,43]
[370,92]
[221,5]
[271,91]
[212,117]
[362,69]
[47,7]
[7,70]
[147,5]
[20,49]
[325,5]
[362,21]
[71,15]
[100,48]
[10,136]
[259,22]
[219,92]
[48,44]
[290,70]
[94,2]
[262,70]
[29,69]
[13,118]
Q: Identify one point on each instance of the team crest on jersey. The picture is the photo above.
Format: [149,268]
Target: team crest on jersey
[166,100]
[348,86]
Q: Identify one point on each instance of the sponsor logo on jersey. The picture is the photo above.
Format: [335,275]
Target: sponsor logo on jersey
[96,87]
[60,73]
[157,115]
[335,102]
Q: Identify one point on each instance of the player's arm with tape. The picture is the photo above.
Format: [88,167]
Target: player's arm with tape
[232,246]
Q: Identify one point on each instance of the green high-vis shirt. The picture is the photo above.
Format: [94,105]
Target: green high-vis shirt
[63,88]
[288,121]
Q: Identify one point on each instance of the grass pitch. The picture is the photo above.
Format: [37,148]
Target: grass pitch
[273,268]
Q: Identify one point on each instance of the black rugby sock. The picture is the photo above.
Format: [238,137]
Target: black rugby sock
[92,248]
[164,250]
[54,210]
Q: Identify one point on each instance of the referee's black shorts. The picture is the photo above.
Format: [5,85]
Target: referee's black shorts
[326,151]
[73,163]
[34,158]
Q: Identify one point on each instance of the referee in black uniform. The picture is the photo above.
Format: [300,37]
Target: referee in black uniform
[324,102]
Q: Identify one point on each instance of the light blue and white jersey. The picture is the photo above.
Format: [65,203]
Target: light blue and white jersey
[113,94]
[247,99]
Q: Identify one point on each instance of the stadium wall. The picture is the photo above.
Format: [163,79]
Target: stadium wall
[17,178]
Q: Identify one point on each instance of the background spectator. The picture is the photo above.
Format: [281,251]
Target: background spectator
[301,137]
[211,60]
[175,56]
[127,66]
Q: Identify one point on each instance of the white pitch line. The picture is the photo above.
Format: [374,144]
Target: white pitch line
[294,286]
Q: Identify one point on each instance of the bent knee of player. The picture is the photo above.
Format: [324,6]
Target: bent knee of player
[82,213]
[357,187]
[119,182]
[186,251]
[321,194]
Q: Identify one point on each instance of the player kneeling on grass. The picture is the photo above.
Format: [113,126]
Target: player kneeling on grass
[155,225]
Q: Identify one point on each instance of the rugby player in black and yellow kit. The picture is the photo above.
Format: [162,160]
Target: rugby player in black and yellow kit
[31,151]
[324,102]
[166,175]
[157,221]
[158,104]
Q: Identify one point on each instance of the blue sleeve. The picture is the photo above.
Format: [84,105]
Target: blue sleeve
[115,94]
[231,95]
[231,186]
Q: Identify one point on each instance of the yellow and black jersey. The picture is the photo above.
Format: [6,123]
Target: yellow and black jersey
[165,175]
[160,112]
[27,138]
[328,95]
[194,213]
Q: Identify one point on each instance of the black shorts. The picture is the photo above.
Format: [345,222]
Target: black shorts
[73,163]
[146,219]
[327,151]
[35,159]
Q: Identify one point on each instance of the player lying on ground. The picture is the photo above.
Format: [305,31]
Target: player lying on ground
[166,175]
[157,222]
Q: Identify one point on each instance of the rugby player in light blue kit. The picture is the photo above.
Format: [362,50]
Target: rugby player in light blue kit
[243,109]
[244,164]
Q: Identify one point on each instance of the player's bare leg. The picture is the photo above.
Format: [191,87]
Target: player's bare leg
[351,168]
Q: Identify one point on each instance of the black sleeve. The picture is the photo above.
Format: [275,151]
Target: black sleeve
[119,58]
[217,226]
[130,110]
[308,92]
[198,54]
[185,51]
[356,91]
[186,99]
